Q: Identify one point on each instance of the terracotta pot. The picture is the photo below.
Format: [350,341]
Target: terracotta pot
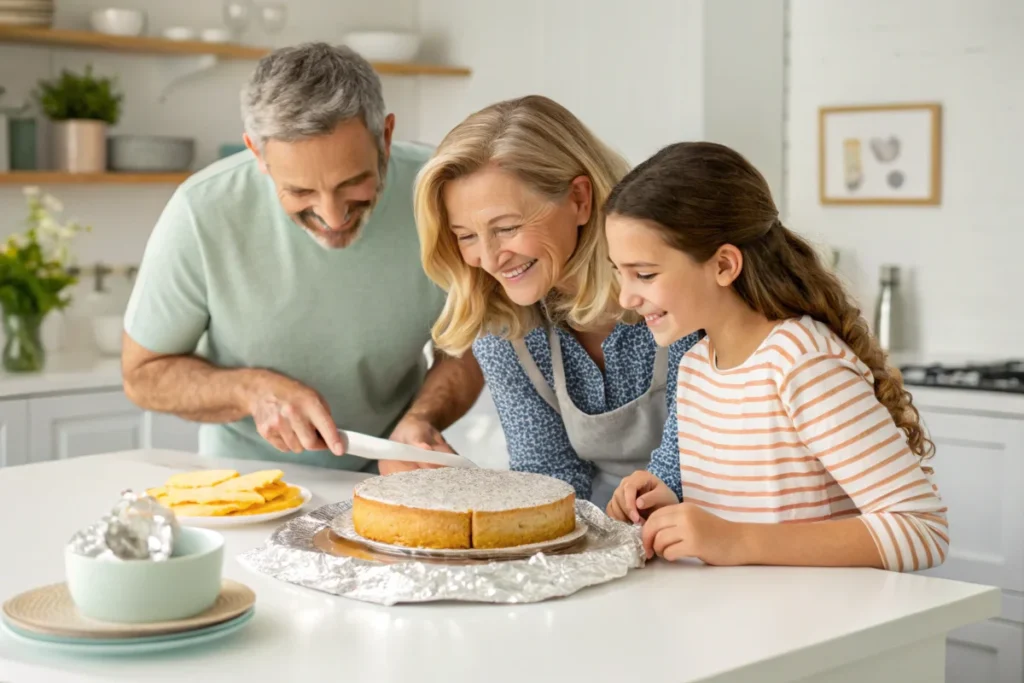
[80,146]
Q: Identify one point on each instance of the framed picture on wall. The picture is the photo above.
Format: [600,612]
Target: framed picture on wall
[880,154]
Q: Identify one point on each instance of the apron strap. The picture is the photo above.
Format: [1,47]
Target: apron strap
[659,377]
[536,376]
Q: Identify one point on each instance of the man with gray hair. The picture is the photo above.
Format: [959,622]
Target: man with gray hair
[281,294]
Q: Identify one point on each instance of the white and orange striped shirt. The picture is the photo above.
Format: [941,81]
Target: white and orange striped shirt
[795,434]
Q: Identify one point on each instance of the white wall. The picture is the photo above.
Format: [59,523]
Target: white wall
[629,71]
[743,98]
[963,256]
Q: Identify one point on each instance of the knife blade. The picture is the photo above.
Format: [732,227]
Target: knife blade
[373,448]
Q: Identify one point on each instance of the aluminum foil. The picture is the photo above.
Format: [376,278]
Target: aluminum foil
[137,528]
[293,553]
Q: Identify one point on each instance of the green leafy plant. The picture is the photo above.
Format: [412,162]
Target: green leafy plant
[73,96]
[35,266]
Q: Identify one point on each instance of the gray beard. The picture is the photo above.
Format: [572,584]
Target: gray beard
[310,221]
[356,231]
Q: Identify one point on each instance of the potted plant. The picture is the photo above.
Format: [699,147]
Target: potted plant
[81,108]
[35,269]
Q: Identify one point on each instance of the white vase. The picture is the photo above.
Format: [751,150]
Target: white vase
[80,146]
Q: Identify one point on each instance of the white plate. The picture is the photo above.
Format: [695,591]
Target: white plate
[342,525]
[243,520]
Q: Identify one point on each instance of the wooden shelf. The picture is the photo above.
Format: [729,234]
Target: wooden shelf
[111,178]
[90,40]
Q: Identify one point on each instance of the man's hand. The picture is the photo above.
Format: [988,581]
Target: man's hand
[292,416]
[415,431]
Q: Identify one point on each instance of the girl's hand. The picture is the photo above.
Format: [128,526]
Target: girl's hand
[638,495]
[686,530]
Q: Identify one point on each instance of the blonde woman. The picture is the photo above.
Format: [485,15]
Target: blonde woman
[508,214]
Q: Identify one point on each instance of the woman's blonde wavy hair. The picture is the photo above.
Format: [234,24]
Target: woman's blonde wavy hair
[546,147]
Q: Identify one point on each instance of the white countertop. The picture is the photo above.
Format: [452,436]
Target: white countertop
[677,623]
[63,373]
[1001,404]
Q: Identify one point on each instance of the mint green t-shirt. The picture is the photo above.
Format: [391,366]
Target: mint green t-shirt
[228,276]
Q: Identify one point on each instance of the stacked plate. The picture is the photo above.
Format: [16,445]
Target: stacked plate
[26,12]
[46,617]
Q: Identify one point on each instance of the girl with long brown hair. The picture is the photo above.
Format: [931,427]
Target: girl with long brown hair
[798,444]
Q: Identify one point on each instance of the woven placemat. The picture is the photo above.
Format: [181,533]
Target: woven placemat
[49,610]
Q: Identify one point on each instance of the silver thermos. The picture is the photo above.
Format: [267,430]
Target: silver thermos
[887,309]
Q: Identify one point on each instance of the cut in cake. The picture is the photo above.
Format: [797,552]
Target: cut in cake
[451,508]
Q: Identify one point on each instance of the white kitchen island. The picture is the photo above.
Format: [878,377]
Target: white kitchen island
[671,623]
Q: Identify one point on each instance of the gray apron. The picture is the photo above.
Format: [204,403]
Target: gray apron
[617,442]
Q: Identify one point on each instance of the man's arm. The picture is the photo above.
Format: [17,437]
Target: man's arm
[186,386]
[449,390]
[290,415]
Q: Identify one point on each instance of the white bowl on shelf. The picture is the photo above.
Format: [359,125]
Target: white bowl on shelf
[215,35]
[106,330]
[180,33]
[118,22]
[384,46]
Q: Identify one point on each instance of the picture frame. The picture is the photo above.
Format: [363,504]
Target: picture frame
[885,154]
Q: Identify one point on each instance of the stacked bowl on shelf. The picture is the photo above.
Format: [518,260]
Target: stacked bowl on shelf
[26,12]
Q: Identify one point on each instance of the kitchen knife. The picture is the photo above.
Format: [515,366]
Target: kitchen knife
[372,448]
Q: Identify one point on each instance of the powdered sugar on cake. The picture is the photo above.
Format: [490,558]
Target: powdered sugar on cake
[461,490]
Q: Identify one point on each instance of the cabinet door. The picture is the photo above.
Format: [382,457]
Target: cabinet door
[83,424]
[989,652]
[13,433]
[170,432]
[979,465]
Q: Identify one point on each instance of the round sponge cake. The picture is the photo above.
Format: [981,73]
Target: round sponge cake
[463,508]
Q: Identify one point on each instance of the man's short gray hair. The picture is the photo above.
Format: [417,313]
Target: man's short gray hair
[307,90]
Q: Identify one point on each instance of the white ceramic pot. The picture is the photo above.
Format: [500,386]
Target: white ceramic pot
[80,146]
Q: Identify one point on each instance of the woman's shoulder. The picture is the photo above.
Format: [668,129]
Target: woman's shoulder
[681,346]
[490,349]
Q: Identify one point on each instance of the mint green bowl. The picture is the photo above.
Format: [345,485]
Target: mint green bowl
[146,591]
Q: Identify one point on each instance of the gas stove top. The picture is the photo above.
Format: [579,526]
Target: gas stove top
[1007,376]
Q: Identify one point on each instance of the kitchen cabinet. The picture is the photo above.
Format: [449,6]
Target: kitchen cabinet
[62,427]
[979,467]
[989,652]
[13,433]
[170,432]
